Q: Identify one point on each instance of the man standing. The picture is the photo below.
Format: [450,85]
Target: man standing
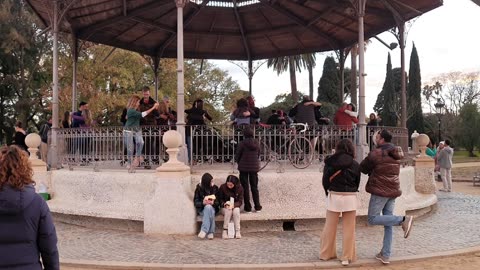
[444,160]
[151,140]
[304,112]
[383,168]
[76,123]
[44,138]
[346,116]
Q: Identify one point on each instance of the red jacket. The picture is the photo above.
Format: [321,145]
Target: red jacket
[344,119]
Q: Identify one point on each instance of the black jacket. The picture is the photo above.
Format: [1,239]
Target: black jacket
[200,194]
[247,156]
[347,180]
[224,194]
[26,231]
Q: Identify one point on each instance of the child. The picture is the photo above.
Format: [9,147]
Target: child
[248,164]
[228,192]
[207,205]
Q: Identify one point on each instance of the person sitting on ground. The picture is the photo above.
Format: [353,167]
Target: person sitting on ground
[246,157]
[207,205]
[341,178]
[27,234]
[231,191]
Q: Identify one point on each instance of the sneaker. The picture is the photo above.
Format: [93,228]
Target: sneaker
[407,225]
[225,234]
[345,263]
[238,235]
[381,258]
[210,236]
[442,189]
[258,211]
[202,234]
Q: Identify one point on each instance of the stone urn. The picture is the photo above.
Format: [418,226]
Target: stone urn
[422,141]
[172,140]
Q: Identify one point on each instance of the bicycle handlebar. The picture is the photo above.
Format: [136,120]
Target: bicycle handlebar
[304,125]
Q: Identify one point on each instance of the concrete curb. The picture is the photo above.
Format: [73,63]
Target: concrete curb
[85,265]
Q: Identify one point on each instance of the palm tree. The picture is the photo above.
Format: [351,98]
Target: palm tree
[294,63]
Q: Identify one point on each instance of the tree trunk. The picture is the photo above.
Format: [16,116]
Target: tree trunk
[310,81]
[342,77]
[353,77]
[293,79]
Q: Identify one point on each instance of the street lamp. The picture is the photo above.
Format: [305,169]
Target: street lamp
[439,109]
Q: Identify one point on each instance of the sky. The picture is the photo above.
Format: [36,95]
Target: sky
[447,39]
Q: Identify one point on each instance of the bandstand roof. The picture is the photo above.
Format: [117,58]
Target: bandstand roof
[228,29]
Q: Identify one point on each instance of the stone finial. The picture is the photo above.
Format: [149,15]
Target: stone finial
[422,142]
[33,141]
[172,140]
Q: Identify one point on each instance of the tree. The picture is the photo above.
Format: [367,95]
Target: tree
[385,105]
[455,89]
[469,129]
[24,71]
[329,82]
[414,90]
[292,63]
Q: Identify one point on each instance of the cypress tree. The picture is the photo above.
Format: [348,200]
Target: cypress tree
[414,90]
[386,99]
[329,82]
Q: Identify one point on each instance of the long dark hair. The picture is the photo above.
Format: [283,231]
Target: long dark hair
[232,179]
[206,180]
[198,104]
[345,146]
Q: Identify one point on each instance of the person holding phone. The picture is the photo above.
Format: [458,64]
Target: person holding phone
[230,196]
[206,204]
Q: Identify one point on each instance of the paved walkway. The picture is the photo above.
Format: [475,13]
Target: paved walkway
[453,225]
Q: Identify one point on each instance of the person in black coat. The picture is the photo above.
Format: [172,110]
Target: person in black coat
[247,156]
[230,197]
[341,178]
[27,231]
[207,205]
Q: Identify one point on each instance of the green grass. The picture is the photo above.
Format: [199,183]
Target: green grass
[461,156]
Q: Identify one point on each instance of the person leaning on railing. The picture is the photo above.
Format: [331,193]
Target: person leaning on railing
[132,130]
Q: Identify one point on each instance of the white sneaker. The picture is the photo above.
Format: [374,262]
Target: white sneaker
[210,236]
[202,234]
[345,263]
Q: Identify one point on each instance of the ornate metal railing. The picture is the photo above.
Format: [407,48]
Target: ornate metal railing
[280,146]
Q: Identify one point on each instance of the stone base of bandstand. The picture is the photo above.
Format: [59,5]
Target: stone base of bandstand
[163,201]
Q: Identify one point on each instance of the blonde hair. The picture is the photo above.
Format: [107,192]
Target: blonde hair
[15,169]
[87,115]
[132,102]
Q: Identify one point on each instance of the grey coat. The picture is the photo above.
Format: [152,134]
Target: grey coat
[444,159]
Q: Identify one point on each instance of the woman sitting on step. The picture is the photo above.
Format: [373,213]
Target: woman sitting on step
[230,196]
[207,205]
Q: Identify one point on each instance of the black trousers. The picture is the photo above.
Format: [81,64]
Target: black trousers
[250,179]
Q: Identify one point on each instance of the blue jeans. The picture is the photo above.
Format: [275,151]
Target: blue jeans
[128,136]
[385,206]
[208,221]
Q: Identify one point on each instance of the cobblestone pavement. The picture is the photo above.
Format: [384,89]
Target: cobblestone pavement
[452,225]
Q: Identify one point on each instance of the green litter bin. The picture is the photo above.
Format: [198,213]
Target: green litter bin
[45,196]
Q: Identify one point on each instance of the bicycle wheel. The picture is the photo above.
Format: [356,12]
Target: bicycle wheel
[300,152]
[265,155]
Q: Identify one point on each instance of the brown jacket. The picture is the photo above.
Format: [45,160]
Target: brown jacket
[383,167]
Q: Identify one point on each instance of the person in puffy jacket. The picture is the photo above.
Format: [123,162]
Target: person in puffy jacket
[207,206]
[27,231]
[341,178]
[383,168]
[247,156]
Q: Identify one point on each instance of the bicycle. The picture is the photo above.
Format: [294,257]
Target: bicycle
[300,149]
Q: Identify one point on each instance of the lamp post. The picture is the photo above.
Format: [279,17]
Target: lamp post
[439,108]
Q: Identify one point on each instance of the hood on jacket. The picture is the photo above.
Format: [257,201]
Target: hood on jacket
[13,201]
[395,152]
[339,160]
